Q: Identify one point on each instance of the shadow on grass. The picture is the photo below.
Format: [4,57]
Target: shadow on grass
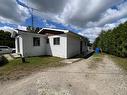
[3,61]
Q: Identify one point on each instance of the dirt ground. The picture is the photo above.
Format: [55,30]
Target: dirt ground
[81,78]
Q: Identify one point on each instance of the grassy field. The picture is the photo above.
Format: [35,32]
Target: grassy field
[122,62]
[15,69]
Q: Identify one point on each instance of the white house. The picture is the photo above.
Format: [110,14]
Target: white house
[53,42]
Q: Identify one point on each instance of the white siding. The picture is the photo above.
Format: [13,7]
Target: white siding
[69,45]
[73,46]
[84,48]
[57,50]
[27,45]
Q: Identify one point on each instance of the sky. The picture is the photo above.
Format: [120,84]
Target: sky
[85,17]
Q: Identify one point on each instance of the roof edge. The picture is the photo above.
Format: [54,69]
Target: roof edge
[65,31]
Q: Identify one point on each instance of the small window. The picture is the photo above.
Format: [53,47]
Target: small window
[36,41]
[47,41]
[56,41]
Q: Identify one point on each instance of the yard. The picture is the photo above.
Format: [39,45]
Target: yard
[97,75]
[15,69]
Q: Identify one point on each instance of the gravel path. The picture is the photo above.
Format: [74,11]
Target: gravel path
[81,78]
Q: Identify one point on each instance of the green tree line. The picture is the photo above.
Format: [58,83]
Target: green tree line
[113,41]
[6,40]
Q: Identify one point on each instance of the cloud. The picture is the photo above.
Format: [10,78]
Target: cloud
[111,15]
[80,12]
[84,15]
[9,28]
[22,27]
[93,32]
[6,28]
[48,6]
[10,12]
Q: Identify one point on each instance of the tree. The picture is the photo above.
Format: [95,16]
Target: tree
[34,30]
[113,41]
[6,40]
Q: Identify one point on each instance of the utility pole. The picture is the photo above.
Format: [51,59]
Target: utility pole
[31,10]
[32,20]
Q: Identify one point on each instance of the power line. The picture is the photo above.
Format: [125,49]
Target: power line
[31,10]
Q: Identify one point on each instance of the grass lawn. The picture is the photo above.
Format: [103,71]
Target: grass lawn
[122,62]
[15,69]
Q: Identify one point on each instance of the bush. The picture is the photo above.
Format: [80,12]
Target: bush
[3,60]
[6,40]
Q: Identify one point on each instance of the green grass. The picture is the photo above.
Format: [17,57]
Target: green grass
[15,69]
[122,62]
[97,57]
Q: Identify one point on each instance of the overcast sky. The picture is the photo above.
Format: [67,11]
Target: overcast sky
[87,17]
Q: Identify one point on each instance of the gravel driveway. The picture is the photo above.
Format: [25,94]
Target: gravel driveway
[81,78]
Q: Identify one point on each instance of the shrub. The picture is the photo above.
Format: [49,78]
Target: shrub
[3,60]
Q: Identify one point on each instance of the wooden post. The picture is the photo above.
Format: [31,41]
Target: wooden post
[22,58]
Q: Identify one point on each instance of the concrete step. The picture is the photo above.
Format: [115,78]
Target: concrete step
[8,56]
[15,55]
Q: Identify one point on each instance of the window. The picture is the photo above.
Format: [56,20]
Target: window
[47,40]
[56,41]
[36,41]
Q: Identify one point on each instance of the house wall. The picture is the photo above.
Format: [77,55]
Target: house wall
[73,46]
[27,45]
[69,45]
[57,50]
[84,47]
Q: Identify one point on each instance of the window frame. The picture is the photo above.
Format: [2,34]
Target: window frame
[36,41]
[56,41]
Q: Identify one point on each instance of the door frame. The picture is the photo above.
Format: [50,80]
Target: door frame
[81,44]
[18,45]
